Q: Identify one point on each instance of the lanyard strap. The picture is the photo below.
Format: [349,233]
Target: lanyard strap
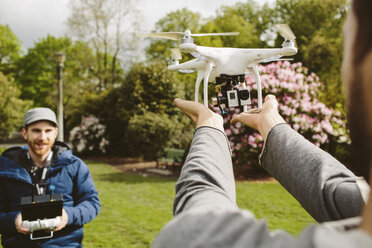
[41,185]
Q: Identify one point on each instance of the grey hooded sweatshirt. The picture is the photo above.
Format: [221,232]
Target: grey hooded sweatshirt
[205,210]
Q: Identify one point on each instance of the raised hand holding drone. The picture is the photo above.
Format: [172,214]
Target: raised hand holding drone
[225,66]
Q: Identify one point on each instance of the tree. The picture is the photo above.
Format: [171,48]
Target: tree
[175,21]
[318,29]
[9,49]
[37,75]
[151,89]
[36,71]
[249,19]
[324,56]
[146,89]
[107,26]
[12,109]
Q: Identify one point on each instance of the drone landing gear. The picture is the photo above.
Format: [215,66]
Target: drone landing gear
[254,71]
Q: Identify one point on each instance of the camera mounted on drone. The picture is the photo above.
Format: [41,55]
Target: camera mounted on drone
[231,91]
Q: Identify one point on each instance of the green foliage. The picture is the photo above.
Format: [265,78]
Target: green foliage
[176,21]
[150,134]
[318,29]
[147,90]
[110,109]
[152,89]
[2,149]
[328,68]
[249,19]
[308,17]
[9,49]
[179,21]
[37,71]
[12,109]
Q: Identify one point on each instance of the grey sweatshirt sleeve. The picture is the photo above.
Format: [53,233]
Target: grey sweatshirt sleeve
[207,178]
[205,211]
[322,185]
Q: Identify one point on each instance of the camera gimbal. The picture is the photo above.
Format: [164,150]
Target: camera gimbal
[231,91]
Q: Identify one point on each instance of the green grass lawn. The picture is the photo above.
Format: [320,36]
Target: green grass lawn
[135,208]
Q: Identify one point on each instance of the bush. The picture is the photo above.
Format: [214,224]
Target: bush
[297,92]
[150,134]
[89,137]
[146,88]
[12,109]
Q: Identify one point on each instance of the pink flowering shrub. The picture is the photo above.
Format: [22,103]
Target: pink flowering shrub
[297,92]
[89,137]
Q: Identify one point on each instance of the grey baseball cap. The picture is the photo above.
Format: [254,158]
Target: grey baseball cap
[39,114]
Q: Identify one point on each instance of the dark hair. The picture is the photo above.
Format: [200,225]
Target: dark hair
[361,145]
[362,10]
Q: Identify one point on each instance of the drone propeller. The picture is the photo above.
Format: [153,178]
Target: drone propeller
[286,32]
[163,35]
[216,34]
[180,35]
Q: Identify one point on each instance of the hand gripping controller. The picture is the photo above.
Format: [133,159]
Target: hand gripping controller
[38,224]
[41,224]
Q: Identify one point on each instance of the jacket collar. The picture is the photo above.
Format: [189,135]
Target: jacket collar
[11,166]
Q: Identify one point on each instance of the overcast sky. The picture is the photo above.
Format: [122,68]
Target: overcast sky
[31,20]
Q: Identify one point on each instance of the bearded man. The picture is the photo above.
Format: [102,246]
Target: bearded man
[45,166]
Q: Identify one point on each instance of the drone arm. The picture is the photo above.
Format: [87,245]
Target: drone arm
[254,71]
[188,47]
[188,65]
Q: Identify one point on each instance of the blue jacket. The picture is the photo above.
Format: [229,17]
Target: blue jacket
[69,175]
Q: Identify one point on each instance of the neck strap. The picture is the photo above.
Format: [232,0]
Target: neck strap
[41,186]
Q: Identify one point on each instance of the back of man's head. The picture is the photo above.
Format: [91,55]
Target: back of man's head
[360,90]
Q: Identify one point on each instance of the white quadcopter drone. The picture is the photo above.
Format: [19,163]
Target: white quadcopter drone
[226,66]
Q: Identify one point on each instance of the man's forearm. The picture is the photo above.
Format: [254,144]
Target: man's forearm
[84,211]
[207,178]
[323,186]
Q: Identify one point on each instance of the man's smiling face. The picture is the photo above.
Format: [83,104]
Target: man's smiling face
[40,137]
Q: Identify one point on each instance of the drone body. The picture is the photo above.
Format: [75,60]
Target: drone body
[225,66]
[232,61]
